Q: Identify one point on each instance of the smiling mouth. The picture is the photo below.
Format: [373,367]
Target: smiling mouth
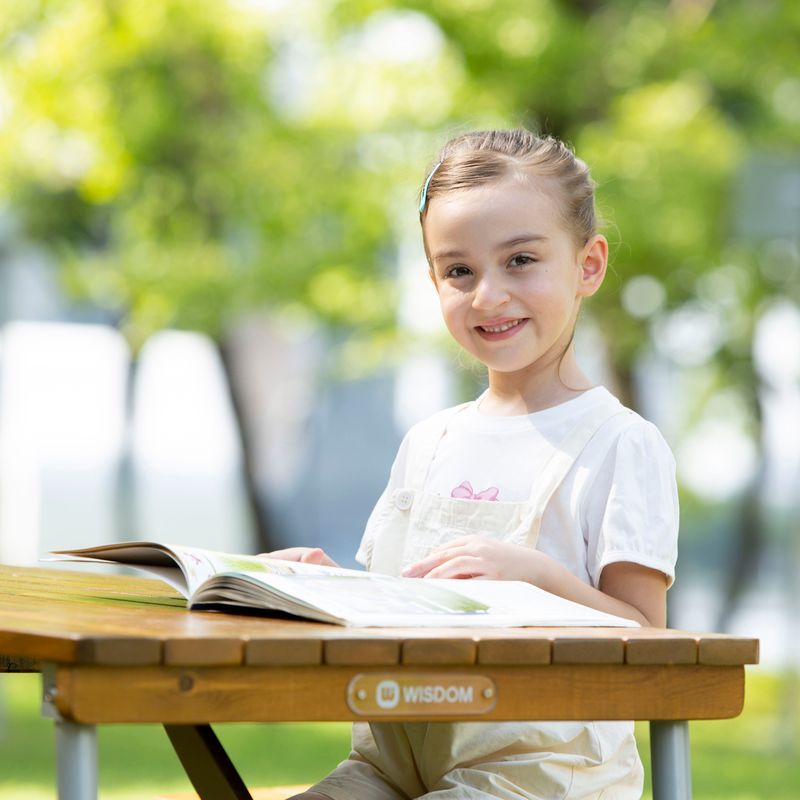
[501,330]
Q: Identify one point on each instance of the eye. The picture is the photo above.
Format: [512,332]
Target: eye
[521,260]
[458,271]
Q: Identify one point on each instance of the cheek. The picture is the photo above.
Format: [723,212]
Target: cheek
[454,313]
[450,302]
[552,287]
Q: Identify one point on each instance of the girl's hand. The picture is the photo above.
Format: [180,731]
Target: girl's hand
[480,557]
[626,589]
[308,555]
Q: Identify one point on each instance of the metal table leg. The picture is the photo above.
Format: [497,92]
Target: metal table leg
[671,763]
[76,746]
[76,759]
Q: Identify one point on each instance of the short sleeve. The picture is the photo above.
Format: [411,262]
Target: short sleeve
[632,505]
[396,479]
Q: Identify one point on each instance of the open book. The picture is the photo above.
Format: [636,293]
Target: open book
[221,581]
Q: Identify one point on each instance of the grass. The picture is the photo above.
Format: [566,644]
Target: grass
[748,758]
[137,761]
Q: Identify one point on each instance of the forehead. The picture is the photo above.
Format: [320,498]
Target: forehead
[492,210]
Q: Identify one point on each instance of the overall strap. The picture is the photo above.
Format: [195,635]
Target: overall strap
[560,463]
[431,432]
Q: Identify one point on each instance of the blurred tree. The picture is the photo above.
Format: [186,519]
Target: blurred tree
[189,161]
[142,144]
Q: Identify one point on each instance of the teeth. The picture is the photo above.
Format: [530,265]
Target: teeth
[500,328]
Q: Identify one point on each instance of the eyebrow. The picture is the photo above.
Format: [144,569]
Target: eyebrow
[523,238]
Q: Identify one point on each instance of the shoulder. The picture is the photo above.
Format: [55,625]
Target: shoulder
[629,464]
[626,435]
[419,442]
[434,425]
[636,440]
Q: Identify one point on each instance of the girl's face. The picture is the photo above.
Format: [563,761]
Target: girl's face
[509,275]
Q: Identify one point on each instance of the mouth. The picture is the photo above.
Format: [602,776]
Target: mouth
[501,328]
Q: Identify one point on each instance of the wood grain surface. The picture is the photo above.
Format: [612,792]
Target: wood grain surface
[173,695]
[126,649]
[72,617]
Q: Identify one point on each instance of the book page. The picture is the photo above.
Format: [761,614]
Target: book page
[366,599]
[185,568]
[379,596]
[200,565]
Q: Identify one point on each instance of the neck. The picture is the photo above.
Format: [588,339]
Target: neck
[535,388]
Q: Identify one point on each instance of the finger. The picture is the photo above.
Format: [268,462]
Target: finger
[461,567]
[450,549]
[421,568]
[454,544]
[314,555]
[466,545]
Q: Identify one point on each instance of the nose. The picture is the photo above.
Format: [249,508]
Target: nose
[490,293]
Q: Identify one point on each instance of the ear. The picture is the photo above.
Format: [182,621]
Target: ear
[592,264]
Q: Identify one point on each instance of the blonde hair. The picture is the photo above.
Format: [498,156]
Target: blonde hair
[480,157]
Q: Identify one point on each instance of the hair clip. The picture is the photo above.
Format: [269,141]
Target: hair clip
[424,197]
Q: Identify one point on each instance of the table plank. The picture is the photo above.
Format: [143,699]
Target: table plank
[57,582]
[435,648]
[666,649]
[283,650]
[259,694]
[583,649]
[720,650]
[514,650]
[203,651]
[363,650]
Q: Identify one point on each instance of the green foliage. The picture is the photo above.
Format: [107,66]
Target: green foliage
[187,162]
[143,146]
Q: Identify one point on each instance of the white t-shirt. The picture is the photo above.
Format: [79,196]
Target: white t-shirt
[618,502]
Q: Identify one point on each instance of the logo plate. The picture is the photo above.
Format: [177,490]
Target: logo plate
[409,694]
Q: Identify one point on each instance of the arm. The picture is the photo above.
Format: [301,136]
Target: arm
[641,587]
[626,589]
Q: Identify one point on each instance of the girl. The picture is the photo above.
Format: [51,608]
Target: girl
[545,477]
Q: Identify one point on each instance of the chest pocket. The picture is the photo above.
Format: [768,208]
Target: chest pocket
[434,521]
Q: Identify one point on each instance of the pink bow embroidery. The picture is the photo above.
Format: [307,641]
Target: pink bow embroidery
[465,491]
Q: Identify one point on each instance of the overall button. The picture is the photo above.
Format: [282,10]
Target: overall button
[403,499]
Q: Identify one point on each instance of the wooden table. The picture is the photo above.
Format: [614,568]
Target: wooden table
[122,649]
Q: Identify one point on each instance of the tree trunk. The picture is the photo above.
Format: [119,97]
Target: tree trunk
[256,504]
[124,504]
[748,534]
[748,545]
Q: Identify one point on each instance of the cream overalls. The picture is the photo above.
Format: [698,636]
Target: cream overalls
[449,761]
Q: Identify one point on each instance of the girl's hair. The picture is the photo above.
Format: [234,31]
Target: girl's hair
[481,157]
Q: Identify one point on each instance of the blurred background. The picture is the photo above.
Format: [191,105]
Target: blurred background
[215,318]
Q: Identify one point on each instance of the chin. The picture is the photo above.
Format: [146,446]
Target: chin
[508,367]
